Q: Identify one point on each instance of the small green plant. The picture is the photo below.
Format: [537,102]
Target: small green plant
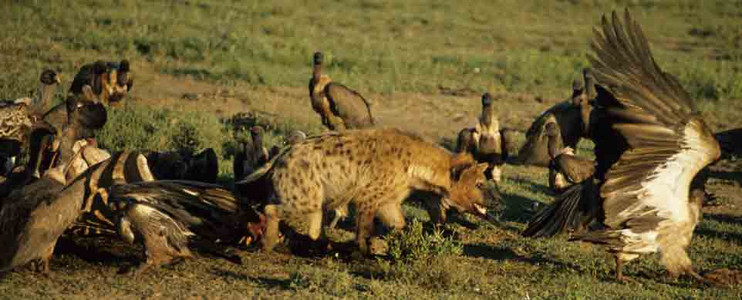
[413,244]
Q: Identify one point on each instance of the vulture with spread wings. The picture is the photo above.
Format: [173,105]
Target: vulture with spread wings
[650,143]
[339,106]
[173,217]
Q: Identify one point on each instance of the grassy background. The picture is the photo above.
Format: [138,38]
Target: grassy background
[424,65]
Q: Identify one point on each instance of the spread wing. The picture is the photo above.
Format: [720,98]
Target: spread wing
[571,211]
[208,210]
[349,105]
[649,143]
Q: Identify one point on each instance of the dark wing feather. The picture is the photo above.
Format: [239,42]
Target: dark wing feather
[208,210]
[34,217]
[349,105]
[575,208]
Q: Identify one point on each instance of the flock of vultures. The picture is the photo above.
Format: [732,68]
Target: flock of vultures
[641,194]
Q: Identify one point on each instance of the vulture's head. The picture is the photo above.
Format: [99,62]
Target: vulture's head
[486,100]
[318,58]
[86,114]
[49,77]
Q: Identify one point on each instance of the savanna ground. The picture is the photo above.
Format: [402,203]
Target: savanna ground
[424,64]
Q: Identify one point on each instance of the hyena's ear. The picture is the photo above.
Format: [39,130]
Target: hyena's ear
[459,163]
[459,160]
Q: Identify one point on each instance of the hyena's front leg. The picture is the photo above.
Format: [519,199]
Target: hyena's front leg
[270,239]
[315,225]
[364,227]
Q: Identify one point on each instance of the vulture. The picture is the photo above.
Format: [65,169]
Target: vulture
[565,169]
[86,114]
[47,91]
[34,217]
[137,166]
[251,154]
[18,117]
[486,141]
[49,145]
[110,81]
[172,218]
[571,115]
[339,106]
[650,143]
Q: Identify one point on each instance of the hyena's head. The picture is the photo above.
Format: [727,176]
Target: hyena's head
[468,192]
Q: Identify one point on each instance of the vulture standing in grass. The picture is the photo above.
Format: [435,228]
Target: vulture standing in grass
[172,218]
[565,169]
[571,115]
[339,107]
[251,155]
[486,141]
[650,143]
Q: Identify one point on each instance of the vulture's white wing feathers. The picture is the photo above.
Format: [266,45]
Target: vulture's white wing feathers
[664,144]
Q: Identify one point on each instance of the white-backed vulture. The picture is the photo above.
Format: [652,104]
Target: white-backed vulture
[339,106]
[650,144]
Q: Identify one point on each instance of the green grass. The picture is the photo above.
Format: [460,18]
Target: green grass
[259,52]
[373,45]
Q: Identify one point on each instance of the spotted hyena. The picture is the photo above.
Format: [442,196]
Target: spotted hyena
[372,169]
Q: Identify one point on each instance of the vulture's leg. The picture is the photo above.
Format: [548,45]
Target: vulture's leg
[496,173]
[619,270]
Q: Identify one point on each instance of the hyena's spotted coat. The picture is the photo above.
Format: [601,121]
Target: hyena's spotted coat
[373,169]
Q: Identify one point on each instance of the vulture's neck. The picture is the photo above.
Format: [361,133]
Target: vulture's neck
[45,95]
[488,120]
[555,146]
[316,73]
